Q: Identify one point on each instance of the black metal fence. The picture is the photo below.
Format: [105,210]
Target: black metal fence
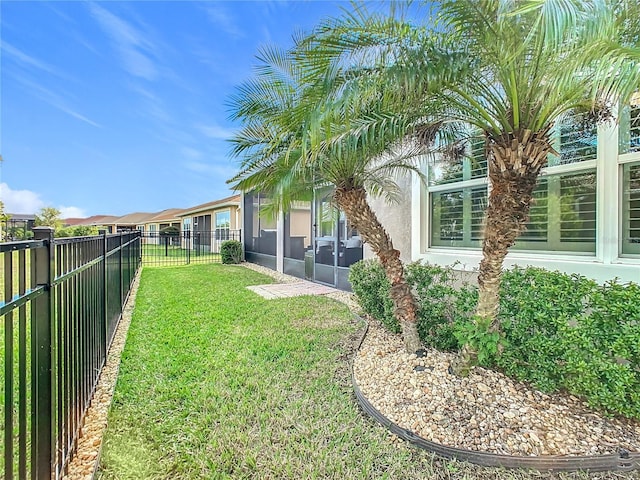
[60,303]
[185,247]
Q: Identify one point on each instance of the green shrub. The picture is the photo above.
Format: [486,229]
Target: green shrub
[77,231]
[603,350]
[170,231]
[560,331]
[371,286]
[441,303]
[231,251]
[537,307]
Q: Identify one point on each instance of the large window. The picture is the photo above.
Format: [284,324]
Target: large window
[457,217]
[563,214]
[631,209]
[223,223]
[562,217]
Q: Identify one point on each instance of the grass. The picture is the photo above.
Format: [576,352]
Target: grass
[216,382]
[175,254]
[19,320]
[16,272]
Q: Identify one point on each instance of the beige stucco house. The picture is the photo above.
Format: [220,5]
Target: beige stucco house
[585,218]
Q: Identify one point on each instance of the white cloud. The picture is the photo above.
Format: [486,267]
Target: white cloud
[20,201]
[190,152]
[28,60]
[72,212]
[220,18]
[28,202]
[131,44]
[53,99]
[216,131]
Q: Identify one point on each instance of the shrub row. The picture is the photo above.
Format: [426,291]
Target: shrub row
[560,332]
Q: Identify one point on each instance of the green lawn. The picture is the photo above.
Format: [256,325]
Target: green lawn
[14,320]
[175,254]
[15,272]
[216,382]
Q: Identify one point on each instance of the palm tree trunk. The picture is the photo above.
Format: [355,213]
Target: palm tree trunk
[353,201]
[515,162]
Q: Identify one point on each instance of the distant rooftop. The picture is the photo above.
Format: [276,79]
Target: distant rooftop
[138,218]
[232,200]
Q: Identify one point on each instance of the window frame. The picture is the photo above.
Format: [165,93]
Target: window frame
[555,168]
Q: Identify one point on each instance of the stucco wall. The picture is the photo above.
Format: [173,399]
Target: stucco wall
[396,219]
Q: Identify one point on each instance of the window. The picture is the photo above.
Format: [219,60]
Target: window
[574,142]
[458,217]
[562,217]
[457,213]
[629,139]
[631,209]
[223,223]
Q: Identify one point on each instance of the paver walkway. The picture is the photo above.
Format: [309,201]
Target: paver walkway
[281,290]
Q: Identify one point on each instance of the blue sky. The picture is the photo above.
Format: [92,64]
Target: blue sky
[118,107]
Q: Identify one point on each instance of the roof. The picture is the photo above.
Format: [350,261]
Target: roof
[95,220]
[224,202]
[21,216]
[133,218]
[168,214]
[139,218]
[72,222]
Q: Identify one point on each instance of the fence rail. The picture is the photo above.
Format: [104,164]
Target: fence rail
[185,247]
[60,303]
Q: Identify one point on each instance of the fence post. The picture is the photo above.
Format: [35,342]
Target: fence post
[188,244]
[121,279]
[42,441]
[130,244]
[105,315]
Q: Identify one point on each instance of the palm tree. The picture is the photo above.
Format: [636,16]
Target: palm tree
[537,62]
[513,70]
[295,138]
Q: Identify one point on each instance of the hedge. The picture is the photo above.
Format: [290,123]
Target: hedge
[560,332]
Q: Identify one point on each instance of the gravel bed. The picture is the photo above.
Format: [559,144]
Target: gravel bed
[486,411]
[84,463]
[277,276]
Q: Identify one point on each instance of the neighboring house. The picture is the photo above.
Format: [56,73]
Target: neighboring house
[156,223]
[102,222]
[585,218]
[212,222]
[161,220]
[128,222]
[18,226]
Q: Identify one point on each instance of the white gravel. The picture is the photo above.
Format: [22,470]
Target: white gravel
[486,411]
[84,463]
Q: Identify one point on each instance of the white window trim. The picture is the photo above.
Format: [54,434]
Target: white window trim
[607,262]
[215,218]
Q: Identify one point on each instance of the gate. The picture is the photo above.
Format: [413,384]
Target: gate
[185,247]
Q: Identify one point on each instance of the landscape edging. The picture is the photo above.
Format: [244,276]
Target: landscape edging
[625,461]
